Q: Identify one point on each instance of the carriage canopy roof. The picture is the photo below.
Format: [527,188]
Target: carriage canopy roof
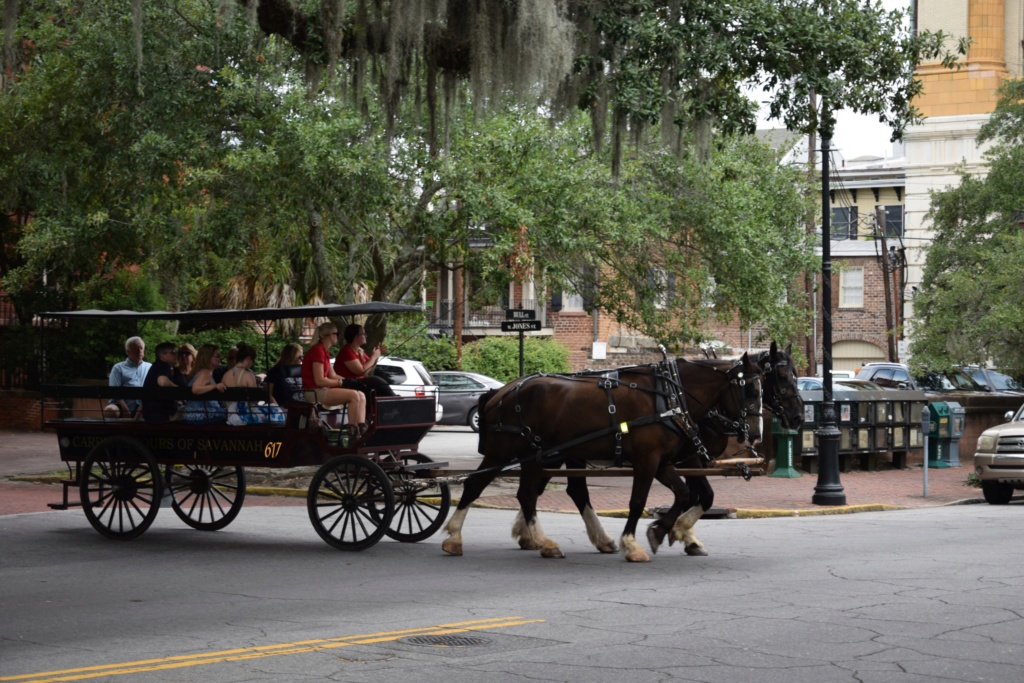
[227,314]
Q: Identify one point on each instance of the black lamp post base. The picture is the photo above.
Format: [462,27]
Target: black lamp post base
[828,490]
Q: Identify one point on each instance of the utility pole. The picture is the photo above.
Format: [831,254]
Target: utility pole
[890,329]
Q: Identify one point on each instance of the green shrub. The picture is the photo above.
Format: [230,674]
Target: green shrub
[407,337]
[499,357]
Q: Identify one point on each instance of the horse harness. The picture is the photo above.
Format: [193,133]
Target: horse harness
[670,409]
[777,394]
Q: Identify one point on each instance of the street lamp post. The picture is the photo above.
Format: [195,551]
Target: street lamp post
[828,490]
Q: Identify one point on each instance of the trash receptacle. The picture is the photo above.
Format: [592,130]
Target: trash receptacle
[957,418]
[940,435]
[784,439]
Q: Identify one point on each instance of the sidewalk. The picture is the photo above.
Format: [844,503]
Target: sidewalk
[32,454]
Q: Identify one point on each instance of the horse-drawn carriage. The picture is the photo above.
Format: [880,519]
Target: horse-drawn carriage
[363,490]
[652,419]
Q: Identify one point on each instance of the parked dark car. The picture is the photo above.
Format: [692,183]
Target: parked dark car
[459,394]
[888,375]
[956,380]
[993,380]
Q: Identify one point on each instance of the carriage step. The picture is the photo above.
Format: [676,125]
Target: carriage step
[66,503]
[710,513]
[420,466]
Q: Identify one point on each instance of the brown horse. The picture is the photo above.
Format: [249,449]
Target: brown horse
[639,414]
[715,432]
[783,398]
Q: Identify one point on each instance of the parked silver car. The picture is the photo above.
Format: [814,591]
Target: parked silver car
[460,392]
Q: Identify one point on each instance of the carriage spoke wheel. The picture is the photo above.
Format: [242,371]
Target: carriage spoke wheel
[206,497]
[120,488]
[350,502]
[421,505]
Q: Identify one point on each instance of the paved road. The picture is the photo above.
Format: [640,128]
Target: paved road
[30,453]
[910,596]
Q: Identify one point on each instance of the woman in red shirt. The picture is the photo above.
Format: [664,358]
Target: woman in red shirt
[319,379]
[352,363]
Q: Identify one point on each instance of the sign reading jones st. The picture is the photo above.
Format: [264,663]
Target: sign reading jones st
[520,326]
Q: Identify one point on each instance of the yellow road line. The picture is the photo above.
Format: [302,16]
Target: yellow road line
[241,654]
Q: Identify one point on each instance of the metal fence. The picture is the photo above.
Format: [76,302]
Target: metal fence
[442,317]
[18,364]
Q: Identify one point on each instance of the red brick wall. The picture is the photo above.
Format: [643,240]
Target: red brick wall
[20,410]
[867,323]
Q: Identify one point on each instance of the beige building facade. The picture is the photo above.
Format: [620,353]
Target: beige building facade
[956,104]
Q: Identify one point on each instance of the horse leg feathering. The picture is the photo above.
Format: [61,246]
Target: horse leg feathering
[632,550]
[453,544]
[596,533]
[683,532]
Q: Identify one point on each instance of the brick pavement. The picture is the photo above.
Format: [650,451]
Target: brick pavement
[34,453]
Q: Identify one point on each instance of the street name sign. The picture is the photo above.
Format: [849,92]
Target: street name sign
[520,314]
[520,326]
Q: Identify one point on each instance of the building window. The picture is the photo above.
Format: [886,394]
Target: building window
[572,302]
[851,288]
[893,220]
[844,223]
[662,285]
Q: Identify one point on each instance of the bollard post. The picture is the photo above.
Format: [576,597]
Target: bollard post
[925,428]
[783,451]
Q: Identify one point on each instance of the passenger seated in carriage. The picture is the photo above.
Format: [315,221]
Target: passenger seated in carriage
[353,363]
[183,370]
[161,375]
[204,411]
[322,385]
[130,372]
[241,375]
[284,381]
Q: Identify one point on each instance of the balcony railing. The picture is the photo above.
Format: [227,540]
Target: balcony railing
[479,318]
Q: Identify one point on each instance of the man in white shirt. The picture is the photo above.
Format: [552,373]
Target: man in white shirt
[130,372]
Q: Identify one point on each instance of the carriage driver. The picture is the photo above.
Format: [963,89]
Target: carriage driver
[130,372]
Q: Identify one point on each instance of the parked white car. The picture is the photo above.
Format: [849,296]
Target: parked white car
[409,378]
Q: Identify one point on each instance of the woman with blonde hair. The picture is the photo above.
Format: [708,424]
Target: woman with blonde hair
[203,411]
[320,380]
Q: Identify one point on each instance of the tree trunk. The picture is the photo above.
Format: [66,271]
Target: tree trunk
[324,277]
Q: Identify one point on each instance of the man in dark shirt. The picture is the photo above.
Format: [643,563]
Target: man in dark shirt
[161,375]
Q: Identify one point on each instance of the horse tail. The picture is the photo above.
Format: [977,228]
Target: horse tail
[481,411]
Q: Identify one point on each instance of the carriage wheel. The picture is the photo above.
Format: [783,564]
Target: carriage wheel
[350,502]
[421,505]
[120,488]
[206,497]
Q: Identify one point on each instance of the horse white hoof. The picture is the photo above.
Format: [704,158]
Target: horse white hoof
[696,550]
[606,547]
[552,552]
[452,548]
[529,544]
[638,556]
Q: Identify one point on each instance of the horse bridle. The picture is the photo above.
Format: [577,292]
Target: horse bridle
[739,426]
[777,394]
